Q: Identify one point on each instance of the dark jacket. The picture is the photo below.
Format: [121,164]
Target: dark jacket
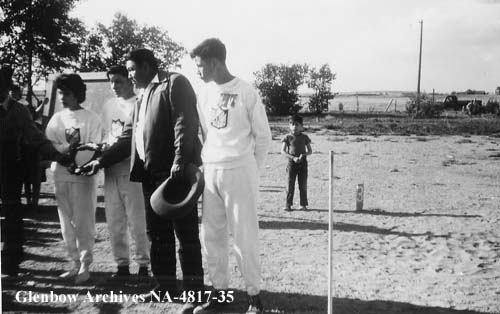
[18,131]
[170,131]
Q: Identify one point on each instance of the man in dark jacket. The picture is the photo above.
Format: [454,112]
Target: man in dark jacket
[17,131]
[161,138]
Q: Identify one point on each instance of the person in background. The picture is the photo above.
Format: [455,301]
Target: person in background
[237,138]
[17,129]
[76,195]
[296,147]
[34,174]
[124,199]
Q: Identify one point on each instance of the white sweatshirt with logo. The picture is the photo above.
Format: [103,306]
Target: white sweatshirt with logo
[234,124]
[116,113]
[82,126]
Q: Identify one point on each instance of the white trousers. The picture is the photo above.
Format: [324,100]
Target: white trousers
[76,207]
[125,210]
[230,206]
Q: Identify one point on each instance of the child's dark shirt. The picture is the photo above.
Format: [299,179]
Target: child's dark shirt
[297,144]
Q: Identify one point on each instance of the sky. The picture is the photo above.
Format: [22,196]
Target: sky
[370,45]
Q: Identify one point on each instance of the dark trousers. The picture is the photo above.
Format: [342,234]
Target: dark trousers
[12,226]
[299,171]
[161,233]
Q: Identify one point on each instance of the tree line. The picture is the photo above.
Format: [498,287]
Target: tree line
[39,37]
[278,85]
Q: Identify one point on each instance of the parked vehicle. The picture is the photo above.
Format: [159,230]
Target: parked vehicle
[451,102]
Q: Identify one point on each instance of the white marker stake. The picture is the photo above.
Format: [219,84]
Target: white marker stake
[360,191]
[330,240]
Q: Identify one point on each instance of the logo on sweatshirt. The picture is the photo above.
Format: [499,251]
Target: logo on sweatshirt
[72,135]
[117,127]
[219,114]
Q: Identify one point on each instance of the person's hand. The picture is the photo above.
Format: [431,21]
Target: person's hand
[296,160]
[90,168]
[73,169]
[90,146]
[176,171]
[302,157]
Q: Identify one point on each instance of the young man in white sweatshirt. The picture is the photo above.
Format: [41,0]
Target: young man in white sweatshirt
[125,209]
[237,136]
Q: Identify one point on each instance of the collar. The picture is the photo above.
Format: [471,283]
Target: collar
[141,91]
[155,80]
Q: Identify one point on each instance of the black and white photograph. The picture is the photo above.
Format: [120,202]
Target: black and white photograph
[278,157]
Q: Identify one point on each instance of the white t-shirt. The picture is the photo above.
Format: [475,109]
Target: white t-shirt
[82,126]
[116,112]
[234,123]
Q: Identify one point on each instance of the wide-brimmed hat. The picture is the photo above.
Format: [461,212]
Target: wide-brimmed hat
[175,198]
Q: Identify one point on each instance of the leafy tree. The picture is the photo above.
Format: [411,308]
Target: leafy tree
[125,34]
[320,81]
[278,86]
[38,37]
[120,37]
[166,50]
[92,52]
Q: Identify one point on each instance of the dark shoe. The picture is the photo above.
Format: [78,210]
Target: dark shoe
[288,209]
[143,272]
[212,306]
[254,305]
[161,294]
[121,272]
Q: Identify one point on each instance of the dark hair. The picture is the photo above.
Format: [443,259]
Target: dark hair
[296,118]
[143,55]
[210,48]
[117,69]
[73,83]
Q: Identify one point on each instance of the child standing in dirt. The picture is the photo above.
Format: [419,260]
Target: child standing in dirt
[296,147]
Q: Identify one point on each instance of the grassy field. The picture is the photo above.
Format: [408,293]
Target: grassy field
[379,123]
[386,101]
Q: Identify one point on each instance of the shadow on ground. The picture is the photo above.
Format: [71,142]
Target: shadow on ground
[274,302]
[42,229]
[317,225]
[380,212]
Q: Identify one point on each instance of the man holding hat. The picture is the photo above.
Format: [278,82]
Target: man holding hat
[17,129]
[163,138]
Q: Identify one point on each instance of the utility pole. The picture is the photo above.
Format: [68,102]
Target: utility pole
[419,63]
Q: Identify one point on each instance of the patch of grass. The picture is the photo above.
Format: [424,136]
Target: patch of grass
[373,123]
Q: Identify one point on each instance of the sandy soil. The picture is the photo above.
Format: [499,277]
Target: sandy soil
[427,241]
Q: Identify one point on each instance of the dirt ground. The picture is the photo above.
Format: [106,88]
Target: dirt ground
[427,241]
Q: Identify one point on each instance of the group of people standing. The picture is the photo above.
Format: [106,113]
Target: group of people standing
[141,141]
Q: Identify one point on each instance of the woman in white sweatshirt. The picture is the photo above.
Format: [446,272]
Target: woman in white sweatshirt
[76,195]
